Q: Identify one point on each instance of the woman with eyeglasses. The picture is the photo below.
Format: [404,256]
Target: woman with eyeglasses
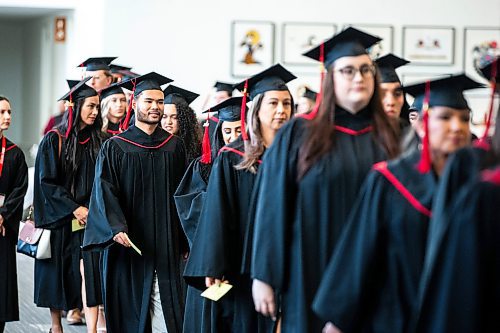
[309,180]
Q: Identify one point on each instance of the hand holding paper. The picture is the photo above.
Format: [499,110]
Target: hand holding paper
[216,291]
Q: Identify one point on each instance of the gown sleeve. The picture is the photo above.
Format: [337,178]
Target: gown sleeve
[349,278]
[12,209]
[274,208]
[52,201]
[106,217]
[209,255]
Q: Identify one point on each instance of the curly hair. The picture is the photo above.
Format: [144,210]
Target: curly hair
[189,130]
[72,150]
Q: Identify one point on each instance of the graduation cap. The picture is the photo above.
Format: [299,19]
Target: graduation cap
[111,90]
[387,67]
[228,110]
[347,43]
[491,68]
[308,93]
[72,83]
[149,81]
[118,68]
[95,64]
[441,92]
[175,95]
[223,86]
[79,91]
[271,79]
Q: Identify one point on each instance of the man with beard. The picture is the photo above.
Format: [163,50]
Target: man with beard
[131,205]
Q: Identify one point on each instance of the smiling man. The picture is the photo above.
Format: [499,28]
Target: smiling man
[137,173]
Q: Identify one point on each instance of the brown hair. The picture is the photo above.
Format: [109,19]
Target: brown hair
[320,132]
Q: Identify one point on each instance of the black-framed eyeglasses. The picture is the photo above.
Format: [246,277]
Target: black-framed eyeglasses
[349,72]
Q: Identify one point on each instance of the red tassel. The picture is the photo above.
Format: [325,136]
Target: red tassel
[206,151]
[319,97]
[484,138]
[125,122]
[244,134]
[70,115]
[424,165]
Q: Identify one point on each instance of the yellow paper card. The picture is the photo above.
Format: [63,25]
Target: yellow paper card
[216,291]
[133,245]
[76,226]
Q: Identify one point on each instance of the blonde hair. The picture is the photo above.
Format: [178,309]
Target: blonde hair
[105,106]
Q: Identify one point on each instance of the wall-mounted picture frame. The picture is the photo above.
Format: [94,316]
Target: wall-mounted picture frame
[252,47]
[299,37]
[386,32]
[429,46]
[481,45]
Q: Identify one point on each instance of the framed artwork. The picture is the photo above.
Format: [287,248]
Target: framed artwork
[481,45]
[252,47]
[298,38]
[386,32]
[431,46]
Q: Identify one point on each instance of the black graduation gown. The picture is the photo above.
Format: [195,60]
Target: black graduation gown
[200,313]
[13,186]
[113,128]
[58,280]
[136,176]
[218,243]
[371,282]
[462,287]
[297,224]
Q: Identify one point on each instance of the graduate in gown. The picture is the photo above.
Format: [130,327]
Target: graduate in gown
[202,314]
[137,172]
[217,249]
[305,198]
[179,119]
[64,173]
[371,282]
[13,186]
[113,109]
[462,171]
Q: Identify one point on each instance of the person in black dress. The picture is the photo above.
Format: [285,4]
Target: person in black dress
[310,178]
[13,186]
[64,173]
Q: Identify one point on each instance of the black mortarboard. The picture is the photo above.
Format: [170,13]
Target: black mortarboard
[80,90]
[228,110]
[150,81]
[485,71]
[308,93]
[223,86]
[118,68]
[273,78]
[443,92]
[95,64]
[111,90]
[175,95]
[387,67]
[349,42]
[72,83]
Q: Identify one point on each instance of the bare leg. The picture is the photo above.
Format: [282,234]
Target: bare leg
[101,320]
[90,312]
[55,316]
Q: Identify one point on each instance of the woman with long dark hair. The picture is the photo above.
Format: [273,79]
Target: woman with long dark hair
[13,186]
[310,178]
[375,270]
[180,119]
[64,172]
[217,250]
